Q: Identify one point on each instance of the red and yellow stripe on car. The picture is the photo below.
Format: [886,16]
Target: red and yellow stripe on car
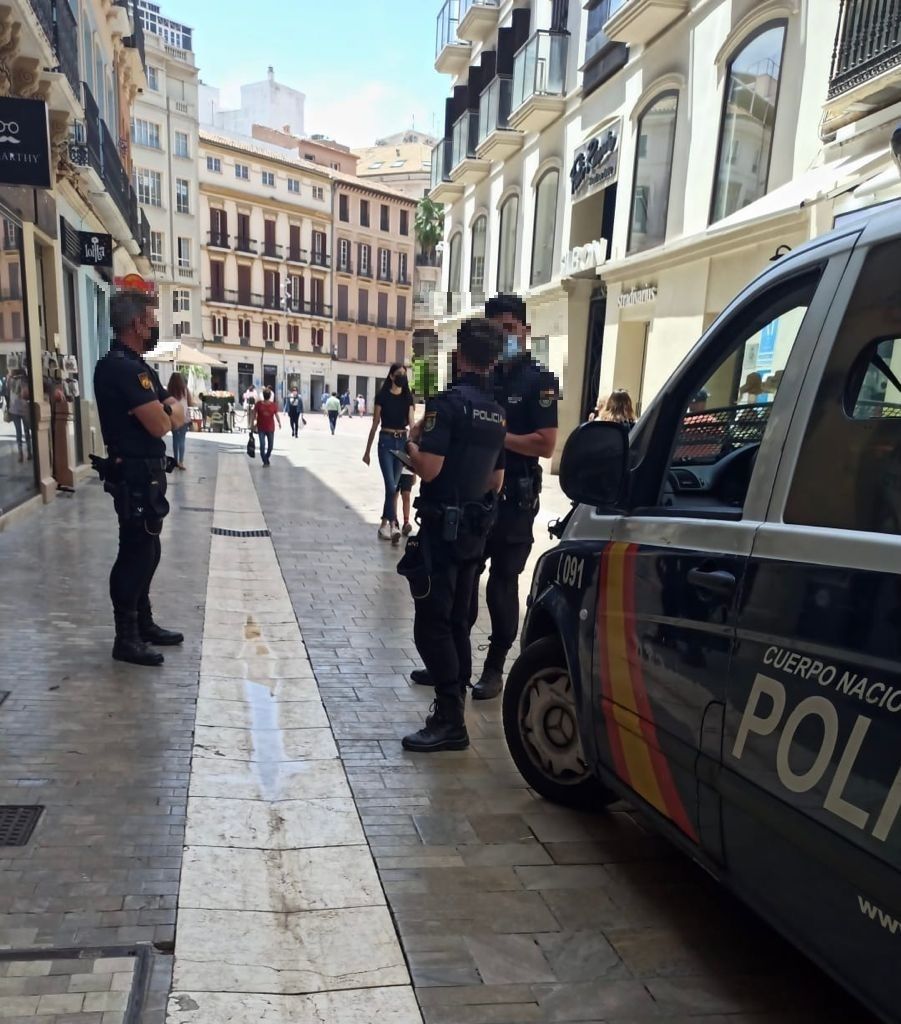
[637,757]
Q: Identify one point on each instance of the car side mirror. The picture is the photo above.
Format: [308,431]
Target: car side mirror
[594,465]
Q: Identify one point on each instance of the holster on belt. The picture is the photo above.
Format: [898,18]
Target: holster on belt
[138,487]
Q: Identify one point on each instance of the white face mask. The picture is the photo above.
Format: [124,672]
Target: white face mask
[511,348]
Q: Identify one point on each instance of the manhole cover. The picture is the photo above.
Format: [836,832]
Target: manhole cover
[219,532]
[17,824]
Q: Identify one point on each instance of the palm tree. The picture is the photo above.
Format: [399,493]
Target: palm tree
[429,226]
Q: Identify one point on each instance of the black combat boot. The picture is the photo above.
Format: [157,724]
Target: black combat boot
[491,683]
[445,728]
[422,677]
[129,646]
[151,633]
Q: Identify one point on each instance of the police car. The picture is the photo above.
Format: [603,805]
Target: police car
[717,636]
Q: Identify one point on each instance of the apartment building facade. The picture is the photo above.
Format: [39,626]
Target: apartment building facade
[266,266]
[617,163]
[164,139]
[66,239]
[374,268]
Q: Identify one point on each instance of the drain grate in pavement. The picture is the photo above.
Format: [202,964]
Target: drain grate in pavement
[17,824]
[217,531]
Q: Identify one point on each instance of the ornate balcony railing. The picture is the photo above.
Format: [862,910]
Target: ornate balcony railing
[867,43]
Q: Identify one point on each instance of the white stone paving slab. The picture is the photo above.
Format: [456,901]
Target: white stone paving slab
[301,688]
[248,951]
[367,1006]
[235,714]
[282,780]
[279,881]
[265,745]
[288,825]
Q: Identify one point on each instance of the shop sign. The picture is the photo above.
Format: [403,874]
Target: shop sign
[24,143]
[640,295]
[583,257]
[96,250]
[596,163]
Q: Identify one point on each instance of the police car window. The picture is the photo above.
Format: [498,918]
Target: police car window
[727,411]
[848,473]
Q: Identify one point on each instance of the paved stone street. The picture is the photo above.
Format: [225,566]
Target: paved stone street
[504,909]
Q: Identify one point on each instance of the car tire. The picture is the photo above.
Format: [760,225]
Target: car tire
[542,732]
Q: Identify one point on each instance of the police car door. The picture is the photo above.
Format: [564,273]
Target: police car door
[670,584]
[812,751]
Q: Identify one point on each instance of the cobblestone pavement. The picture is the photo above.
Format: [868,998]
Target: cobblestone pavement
[508,909]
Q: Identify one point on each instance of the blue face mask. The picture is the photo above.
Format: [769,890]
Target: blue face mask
[511,346]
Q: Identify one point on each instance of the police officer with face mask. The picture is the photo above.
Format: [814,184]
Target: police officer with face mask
[458,452]
[135,414]
[528,393]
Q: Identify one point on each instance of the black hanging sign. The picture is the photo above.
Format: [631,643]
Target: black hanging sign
[96,249]
[24,143]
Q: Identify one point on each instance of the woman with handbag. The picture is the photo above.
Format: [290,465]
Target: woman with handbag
[179,391]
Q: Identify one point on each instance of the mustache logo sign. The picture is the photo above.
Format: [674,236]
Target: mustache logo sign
[8,131]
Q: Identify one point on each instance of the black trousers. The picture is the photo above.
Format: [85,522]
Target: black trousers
[294,417]
[507,549]
[138,558]
[441,624]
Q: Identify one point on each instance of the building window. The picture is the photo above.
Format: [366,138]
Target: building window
[181,301]
[145,133]
[381,350]
[364,213]
[477,259]
[603,57]
[182,195]
[318,337]
[653,173]
[749,118]
[362,347]
[149,187]
[184,253]
[242,171]
[506,261]
[244,329]
[153,78]
[385,217]
[343,209]
[318,193]
[214,164]
[269,178]
[365,259]
[403,268]
[270,332]
[384,265]
[220,327]
[294,185]
[156,247]
[181,145]
[543,238]
[400,355]
[342,346]
[181,329]
[405,222]
[343,254]
[455,263]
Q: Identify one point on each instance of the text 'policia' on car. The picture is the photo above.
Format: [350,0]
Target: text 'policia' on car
[717,637]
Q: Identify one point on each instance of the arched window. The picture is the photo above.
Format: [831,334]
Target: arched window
[506,260]
[749,118]
[477,259]
[546,192]
[453,279]
[653,172]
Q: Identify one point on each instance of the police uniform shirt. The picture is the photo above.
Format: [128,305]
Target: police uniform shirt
[529,396]
[471,452]
[122,382]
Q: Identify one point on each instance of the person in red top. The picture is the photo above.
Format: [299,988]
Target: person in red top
[266,413]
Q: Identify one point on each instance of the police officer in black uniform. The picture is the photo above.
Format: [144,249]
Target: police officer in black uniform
[528,393]
[135,415]
[459,455]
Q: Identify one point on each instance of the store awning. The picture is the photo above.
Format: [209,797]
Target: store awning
[181,354]
[819,183]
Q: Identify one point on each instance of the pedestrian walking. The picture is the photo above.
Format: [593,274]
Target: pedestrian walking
[178,390]
[322,401]
[266,413]
[333,408]
[135,416]
[393,413]
[250,401]
[528,394]
[459,454]
[345,403]
[294,409]
[361,405]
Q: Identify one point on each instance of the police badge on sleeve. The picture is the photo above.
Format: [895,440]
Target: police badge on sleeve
[146,382]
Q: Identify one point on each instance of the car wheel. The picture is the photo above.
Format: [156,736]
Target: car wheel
[542,731]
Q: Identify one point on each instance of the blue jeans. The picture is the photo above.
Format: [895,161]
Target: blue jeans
[266,439]
[178,443]
[391,470]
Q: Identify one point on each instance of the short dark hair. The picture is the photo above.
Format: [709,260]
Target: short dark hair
[506,305]
[126,307]
[479,342]
[267,394]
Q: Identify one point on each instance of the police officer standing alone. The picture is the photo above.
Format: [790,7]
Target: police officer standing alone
[528,393]
[135,413]
[459,455]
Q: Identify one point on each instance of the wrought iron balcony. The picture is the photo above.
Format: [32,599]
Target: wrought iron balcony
[365,271]
[61,29]
[273,251]
[384,275]
[345,266]
[246,245]
[218,239]
[296,255]
[867,43]
[539,81]
[321,259]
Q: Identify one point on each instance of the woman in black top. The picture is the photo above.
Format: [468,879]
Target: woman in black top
[393,412]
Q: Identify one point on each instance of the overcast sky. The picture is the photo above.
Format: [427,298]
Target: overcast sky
[366,66]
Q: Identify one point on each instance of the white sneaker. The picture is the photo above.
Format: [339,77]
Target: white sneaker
[408,529]
[395,533]
[385,531]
